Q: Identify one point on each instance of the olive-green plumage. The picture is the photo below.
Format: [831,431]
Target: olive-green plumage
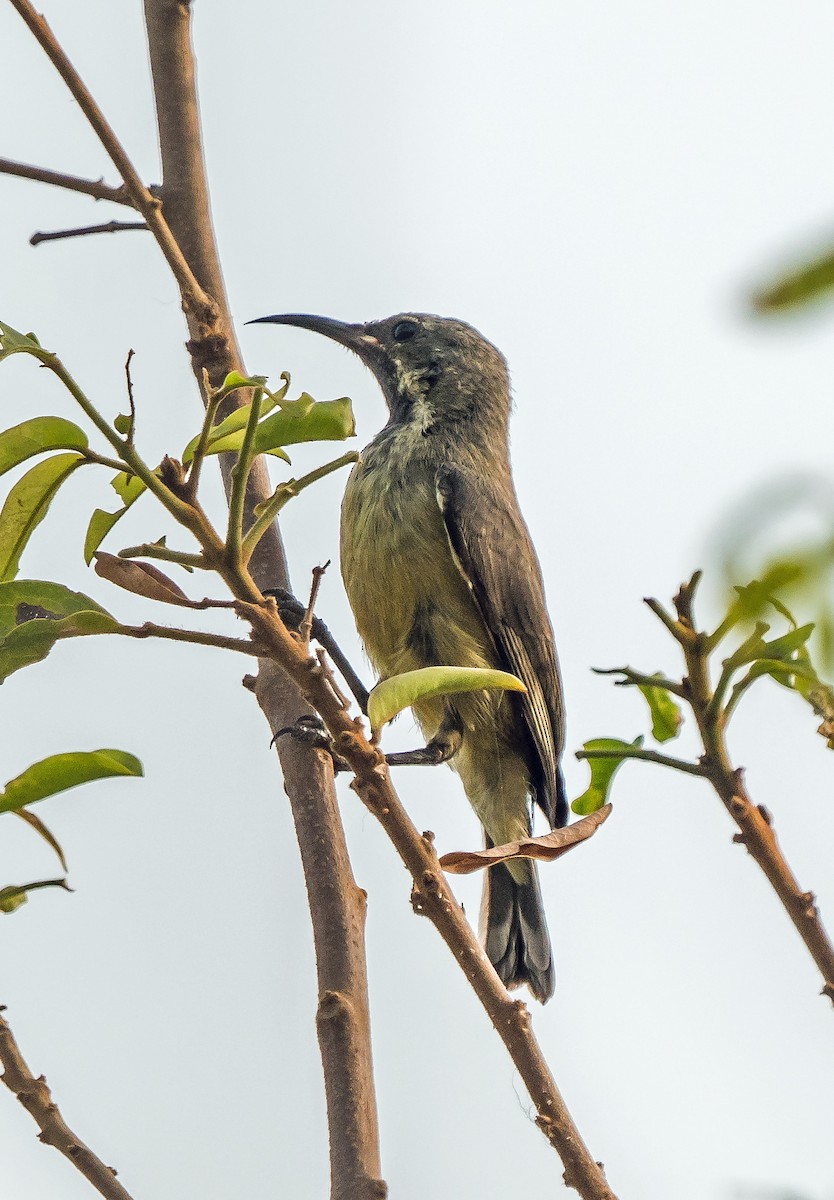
[439,569]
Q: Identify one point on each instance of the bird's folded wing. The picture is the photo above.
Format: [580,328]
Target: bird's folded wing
[493,549]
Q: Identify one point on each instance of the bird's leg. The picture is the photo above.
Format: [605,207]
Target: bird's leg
[292,613]
[443,746]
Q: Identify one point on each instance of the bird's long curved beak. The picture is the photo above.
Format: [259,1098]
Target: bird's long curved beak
[354,337]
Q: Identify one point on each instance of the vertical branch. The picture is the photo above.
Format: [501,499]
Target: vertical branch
[337,906]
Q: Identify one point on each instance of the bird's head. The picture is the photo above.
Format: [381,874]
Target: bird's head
[430,368]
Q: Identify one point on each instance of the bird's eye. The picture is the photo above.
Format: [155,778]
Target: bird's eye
[404,331]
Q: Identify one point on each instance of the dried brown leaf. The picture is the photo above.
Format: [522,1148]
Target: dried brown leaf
[545,849]
[141,578]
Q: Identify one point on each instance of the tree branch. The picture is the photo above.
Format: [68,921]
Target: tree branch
[337,905]
[36,1098]
[753,821]
[432,897]
[97,188]
[60,235]
[147,204]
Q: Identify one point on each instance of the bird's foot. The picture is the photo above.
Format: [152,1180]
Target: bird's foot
[311,731]
[443,746]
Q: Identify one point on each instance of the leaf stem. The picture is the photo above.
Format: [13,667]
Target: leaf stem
[239,477]
[267,512]
[152,550]
[663,760]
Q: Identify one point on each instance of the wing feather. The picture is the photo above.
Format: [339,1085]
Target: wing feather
[493,548]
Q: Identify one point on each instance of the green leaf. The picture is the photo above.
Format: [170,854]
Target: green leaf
[129,488]
[122,424]
[12,342]
[783,648]
[806,282]
[62,771]
[392,695]
[53,598]
[12,897]
[602,773]
[37,824]
[665,712]
[26,506]
[32,641]
[302,420]
[37,436]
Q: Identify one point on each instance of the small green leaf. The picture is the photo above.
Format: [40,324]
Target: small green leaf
[12,342]
[32,641]
[62,771]
[392,695]
[783,648]
[602,773]
[665,712]
[37,824]
[123,424]
[26,506]
[129,488]
[12,897]
[37,436]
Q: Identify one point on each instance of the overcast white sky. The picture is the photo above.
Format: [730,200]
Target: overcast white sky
[594,186]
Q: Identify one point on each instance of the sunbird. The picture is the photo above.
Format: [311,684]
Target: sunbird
[439,569]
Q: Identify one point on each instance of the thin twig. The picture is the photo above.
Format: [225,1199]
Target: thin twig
[663,760]
[755,825]
[283,494]
[306,625]
[154,550]
[97,188]
[131,429]
[147,204]
[36,1098]
[59,235]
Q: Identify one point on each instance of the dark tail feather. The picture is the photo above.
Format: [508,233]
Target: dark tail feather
[514,930]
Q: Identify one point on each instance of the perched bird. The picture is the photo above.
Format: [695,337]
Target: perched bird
[440,570]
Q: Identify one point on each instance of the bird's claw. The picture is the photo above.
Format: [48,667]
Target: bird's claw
[310,730]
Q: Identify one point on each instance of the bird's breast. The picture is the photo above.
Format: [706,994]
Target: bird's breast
[412,605]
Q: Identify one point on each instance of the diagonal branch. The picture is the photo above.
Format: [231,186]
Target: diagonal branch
[147,204]
[97,188]
[36,1098]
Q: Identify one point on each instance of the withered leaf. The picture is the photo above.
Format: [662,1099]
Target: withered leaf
[545,849]
[141,578]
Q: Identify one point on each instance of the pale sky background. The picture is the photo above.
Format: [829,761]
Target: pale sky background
[594,186]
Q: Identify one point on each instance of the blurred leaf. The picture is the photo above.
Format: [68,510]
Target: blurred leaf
[665,712]
[545,849]
[804,283]
[32,641]
[26,506]
[37,436]
[62,771]
[141,578]
[602,773]
[392,695]
[12,897]
[37,824]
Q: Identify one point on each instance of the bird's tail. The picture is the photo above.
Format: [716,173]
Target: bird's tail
[514,928]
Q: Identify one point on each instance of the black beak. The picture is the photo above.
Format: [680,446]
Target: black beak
[354,337]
